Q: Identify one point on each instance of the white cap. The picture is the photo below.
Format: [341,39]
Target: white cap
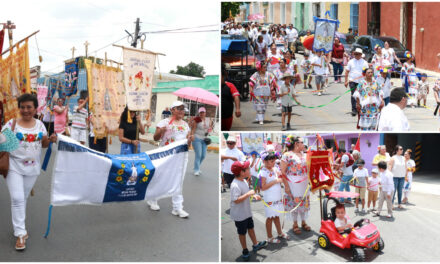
[179,103]
[231,139]
[375,170]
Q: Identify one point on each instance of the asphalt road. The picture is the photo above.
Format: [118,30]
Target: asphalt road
[335,116]
[119,231]
[411,236]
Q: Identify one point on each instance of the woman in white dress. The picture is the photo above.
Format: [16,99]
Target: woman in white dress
[294,167]
[271,187]
[410,168]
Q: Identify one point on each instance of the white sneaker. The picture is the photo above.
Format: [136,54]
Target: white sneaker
[181,213]
[197,173]
[261,122]
[319,94]
[363,211]
[356,210]
[153,205]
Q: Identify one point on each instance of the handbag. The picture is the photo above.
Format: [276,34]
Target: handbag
[207,140]
[4,157]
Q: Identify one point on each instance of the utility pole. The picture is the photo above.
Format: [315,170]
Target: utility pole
[136,33]
[136,36]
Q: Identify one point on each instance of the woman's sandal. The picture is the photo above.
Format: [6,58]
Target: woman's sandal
[273,240]
[306,227]
[296,230]
[284,235]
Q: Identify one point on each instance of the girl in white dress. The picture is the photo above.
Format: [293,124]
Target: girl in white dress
[271,187]
[410,168]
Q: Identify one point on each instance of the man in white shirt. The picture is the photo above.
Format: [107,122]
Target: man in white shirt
[229,155]
[392,117]
[292,35]
[353,75]
[266,37]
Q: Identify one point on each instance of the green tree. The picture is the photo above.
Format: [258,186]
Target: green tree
[192,69]
[230,8]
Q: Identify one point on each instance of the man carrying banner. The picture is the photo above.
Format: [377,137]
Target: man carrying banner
[168,131]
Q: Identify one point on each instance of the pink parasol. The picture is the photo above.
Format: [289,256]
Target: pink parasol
[342,194]
[256,16]
[198,94]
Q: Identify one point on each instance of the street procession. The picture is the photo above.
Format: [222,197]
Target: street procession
[328,197]
[311,72]
[103,129]
[312,135]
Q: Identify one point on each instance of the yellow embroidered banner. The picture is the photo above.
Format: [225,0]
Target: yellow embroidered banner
[14,79]
[106,97]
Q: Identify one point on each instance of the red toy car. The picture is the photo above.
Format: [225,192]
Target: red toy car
[363,234]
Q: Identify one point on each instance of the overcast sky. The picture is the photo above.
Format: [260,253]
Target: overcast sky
[66,24]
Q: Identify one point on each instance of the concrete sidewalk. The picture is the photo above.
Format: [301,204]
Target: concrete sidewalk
[428,183]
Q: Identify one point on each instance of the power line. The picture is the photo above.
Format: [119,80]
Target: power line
[180,29]
[198,31]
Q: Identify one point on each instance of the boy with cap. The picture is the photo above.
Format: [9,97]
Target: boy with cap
[361,176]
[241,207]
[306,67]
[373,188]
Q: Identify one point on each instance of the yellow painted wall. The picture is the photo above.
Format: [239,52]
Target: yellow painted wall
[344,16]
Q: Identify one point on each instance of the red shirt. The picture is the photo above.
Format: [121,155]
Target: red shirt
[338,51]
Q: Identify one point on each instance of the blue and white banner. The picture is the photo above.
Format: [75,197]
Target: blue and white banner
[84,176]
[325,30]
[252,143]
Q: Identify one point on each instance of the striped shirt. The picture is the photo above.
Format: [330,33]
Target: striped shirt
[79,118]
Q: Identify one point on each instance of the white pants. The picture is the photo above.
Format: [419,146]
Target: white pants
[177,200]
[19,187]
[78,134]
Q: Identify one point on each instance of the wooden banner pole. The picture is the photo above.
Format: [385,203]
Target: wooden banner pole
[10,48]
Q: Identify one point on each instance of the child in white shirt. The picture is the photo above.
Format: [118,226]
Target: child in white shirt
[387,188]
[423,87]
[342,221]
[361,176]
[384,83]
[306,67]
[373,188]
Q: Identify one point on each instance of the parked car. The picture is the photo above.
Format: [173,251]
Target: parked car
[368,42]
[347,40]
[239,54]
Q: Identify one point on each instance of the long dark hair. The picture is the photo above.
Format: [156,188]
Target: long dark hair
[124,117]
[396,149]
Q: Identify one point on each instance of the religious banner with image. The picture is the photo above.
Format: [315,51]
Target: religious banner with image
[14,79]
[71,77]
[138,78]
[103,178]
[325,30]
[252,143]
[42,97]
[106,97]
